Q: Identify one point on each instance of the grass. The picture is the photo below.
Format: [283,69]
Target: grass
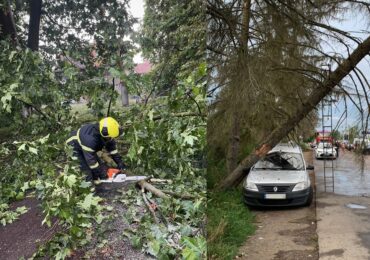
[229,220]
[229,224]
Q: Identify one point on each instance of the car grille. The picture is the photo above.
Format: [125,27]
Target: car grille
[326,154]
[270,188]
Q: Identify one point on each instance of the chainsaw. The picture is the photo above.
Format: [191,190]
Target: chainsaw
[117,176]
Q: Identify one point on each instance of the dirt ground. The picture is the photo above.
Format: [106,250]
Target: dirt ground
[284,234]
[22,237]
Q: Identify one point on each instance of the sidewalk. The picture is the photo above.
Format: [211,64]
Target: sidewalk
[344,232]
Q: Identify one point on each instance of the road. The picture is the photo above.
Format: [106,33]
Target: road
[283,234]
[343,217]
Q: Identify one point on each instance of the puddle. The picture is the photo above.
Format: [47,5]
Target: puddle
[355,206]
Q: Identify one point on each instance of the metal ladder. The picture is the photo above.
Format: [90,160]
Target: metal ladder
[327,127]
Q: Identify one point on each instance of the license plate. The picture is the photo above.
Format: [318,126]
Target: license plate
[275,196]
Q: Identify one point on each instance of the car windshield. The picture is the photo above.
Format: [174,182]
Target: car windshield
[280,161]
[324,145]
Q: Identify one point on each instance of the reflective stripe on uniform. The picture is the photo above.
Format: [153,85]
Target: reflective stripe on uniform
[74,158]
[96,165]
[88,149]
[71,139]
[113,152]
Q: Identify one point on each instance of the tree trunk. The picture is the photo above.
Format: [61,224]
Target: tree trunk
[7,24]
[245,25]
[234,140]
[124,95]
[234,144]
[33,39]
[34,26]
[302,111]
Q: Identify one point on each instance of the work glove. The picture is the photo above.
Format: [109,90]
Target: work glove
[100,173]
[122,166]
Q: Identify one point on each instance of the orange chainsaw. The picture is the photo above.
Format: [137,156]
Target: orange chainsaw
[116,175]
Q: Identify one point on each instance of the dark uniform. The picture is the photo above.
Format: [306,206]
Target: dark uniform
[86,142]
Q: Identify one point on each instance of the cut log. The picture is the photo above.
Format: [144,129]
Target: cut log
[147,186]
[147,203]
[334,78]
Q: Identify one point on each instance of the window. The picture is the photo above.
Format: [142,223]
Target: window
[281,161]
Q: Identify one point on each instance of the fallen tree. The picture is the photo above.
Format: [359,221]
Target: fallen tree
[303,109]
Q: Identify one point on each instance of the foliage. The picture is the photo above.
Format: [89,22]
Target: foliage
[265,61]
[229,224]
[69,199]
[336,135]
[162,144]
[171,147]
[63,192]
[353,132]
[173,38]
[7,216]
[70,67]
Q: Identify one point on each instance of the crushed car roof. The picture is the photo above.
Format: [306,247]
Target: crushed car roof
[287,148]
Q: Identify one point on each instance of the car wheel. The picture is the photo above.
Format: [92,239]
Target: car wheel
[310,197]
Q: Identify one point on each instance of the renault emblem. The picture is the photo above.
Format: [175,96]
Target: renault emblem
[275,189]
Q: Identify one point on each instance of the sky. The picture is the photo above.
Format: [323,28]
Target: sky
[137,11]
[357,24]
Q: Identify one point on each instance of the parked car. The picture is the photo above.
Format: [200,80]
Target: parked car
[325,151]
[279,179]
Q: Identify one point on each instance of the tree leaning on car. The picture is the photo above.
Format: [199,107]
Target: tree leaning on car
[91,138]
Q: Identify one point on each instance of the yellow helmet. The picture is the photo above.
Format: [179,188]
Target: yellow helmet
[109,127]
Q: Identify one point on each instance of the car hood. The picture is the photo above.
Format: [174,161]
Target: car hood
[325,149]
[268,176]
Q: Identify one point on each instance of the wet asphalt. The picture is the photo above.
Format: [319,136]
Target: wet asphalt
[351,174]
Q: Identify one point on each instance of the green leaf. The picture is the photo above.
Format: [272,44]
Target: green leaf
[85,184]
[71,180]
[44,139]
[6,101]
[89,201]
[154,247]
[136,241]
[12,55]
[21,210]
[13,86]
[189,139]
[114,73]
[22,147]
[32,150]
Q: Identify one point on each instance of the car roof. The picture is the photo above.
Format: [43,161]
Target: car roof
[286,148]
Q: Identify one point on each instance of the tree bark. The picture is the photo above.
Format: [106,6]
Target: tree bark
[234,140]
[234,144]
[124,95]
[34,26]
[147,186]
[302,111]
[7,24]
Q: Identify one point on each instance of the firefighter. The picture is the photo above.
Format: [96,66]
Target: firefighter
[90,139]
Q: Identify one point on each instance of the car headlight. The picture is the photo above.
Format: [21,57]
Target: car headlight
[301,186]
[251,186]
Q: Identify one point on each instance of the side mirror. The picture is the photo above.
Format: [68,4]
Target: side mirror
[310,167]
